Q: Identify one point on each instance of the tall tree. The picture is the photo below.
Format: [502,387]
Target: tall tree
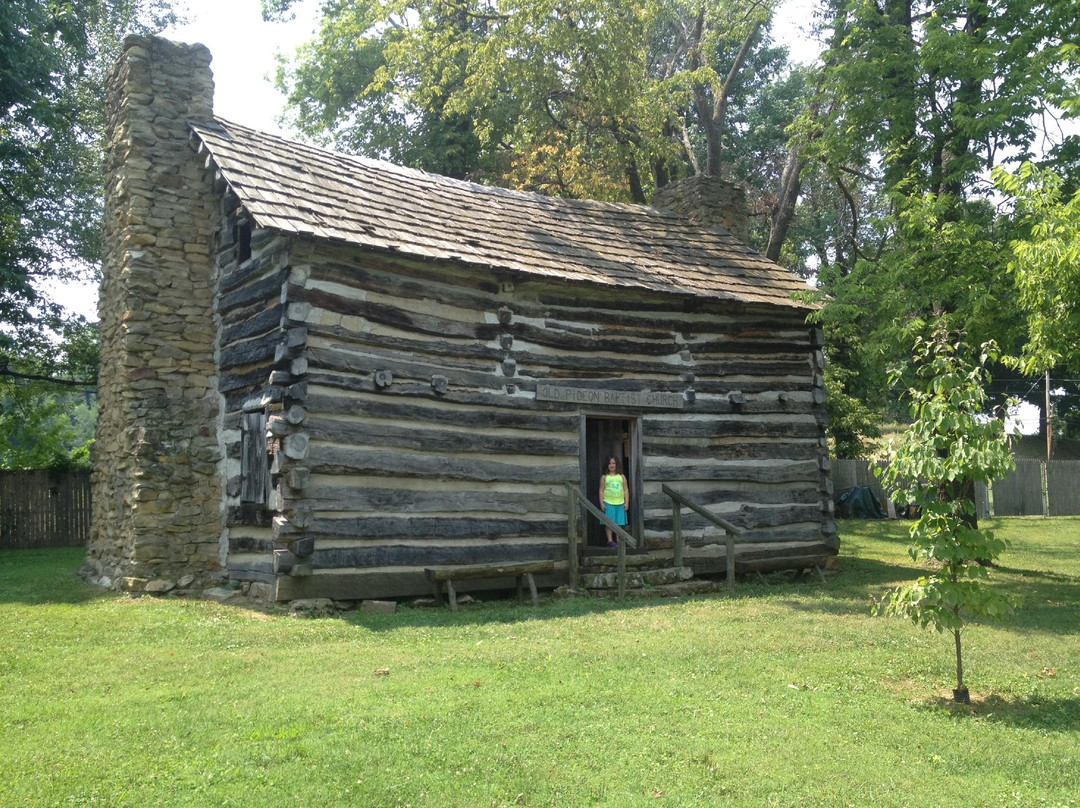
[605,98]
[53,57]
[918,101]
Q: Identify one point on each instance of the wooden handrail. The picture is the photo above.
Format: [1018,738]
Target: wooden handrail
[574,499]
[730,530]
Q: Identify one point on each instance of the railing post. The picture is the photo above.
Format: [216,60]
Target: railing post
[572,537]
[676,531]
[620,574]
[730,561]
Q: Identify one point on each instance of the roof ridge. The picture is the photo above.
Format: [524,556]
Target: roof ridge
[316,192]
[224,125]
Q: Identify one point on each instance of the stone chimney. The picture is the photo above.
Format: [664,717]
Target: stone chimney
[157,491]
[707,201]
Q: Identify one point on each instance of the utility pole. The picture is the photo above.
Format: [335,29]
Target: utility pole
[1049,431]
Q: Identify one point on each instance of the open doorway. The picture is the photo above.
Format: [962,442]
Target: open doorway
[604,437]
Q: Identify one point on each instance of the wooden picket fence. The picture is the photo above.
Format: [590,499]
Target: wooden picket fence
[44,509]
[1033,488]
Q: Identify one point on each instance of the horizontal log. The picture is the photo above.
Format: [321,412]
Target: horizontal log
[323,459]
[794,472]
[432,527]
[763,397]
[744,348]
[733,426]
[374,272]
[472,572]
[256,351]
[716,563]
[251,571]
[434,440]
[582,362]
[247,380]
[402,366]
[404,404]
[805,532]
[790,494]
[264,322]
[251,544]
[642,342]
[499,398]
[727,449]
[404,555]
[748,517]
[267,289]
[397,316]
[330,498]
[779,563]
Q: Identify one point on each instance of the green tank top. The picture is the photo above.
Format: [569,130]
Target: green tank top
[613,489]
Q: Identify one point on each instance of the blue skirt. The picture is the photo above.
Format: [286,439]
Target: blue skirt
[616,513]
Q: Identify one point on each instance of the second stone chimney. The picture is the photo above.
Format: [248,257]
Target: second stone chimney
[707,201]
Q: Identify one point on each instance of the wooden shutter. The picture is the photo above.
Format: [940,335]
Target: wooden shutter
[254,460]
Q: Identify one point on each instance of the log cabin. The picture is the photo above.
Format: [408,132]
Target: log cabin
[323,374]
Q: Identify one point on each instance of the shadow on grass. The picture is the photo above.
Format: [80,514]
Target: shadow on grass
[496,610]
[1027,712]
[33,577]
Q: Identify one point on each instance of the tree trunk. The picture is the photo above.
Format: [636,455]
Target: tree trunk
[713,116]
[901,96]
[960,695]
[784,209]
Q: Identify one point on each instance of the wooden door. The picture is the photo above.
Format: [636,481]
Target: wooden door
[606,437]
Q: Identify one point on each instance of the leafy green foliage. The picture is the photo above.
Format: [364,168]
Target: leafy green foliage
[47,405]
[851,423]
[948,447]
[42,430]
[917,100]
[1046,265]
[53,57]
[941,89]
[603,99]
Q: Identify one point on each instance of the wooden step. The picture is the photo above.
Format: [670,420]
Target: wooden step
[636,579]
[608,563]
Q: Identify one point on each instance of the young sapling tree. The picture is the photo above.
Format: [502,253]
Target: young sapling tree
[950,445]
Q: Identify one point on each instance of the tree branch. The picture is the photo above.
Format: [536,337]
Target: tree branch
[33,377]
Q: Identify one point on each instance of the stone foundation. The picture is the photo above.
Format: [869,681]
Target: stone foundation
[158,490]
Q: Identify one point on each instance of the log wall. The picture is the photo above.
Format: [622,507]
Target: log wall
[255,354]
[405,429]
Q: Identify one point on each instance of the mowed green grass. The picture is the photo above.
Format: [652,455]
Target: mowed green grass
[785,695]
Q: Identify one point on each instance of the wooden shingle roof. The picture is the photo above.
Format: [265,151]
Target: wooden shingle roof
[295,188]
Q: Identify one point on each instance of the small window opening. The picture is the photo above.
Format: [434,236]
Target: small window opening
[242,240]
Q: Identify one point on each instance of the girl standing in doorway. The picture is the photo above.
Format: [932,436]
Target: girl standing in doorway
[614,497]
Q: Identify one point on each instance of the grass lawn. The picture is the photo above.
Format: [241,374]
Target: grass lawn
[786,695]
